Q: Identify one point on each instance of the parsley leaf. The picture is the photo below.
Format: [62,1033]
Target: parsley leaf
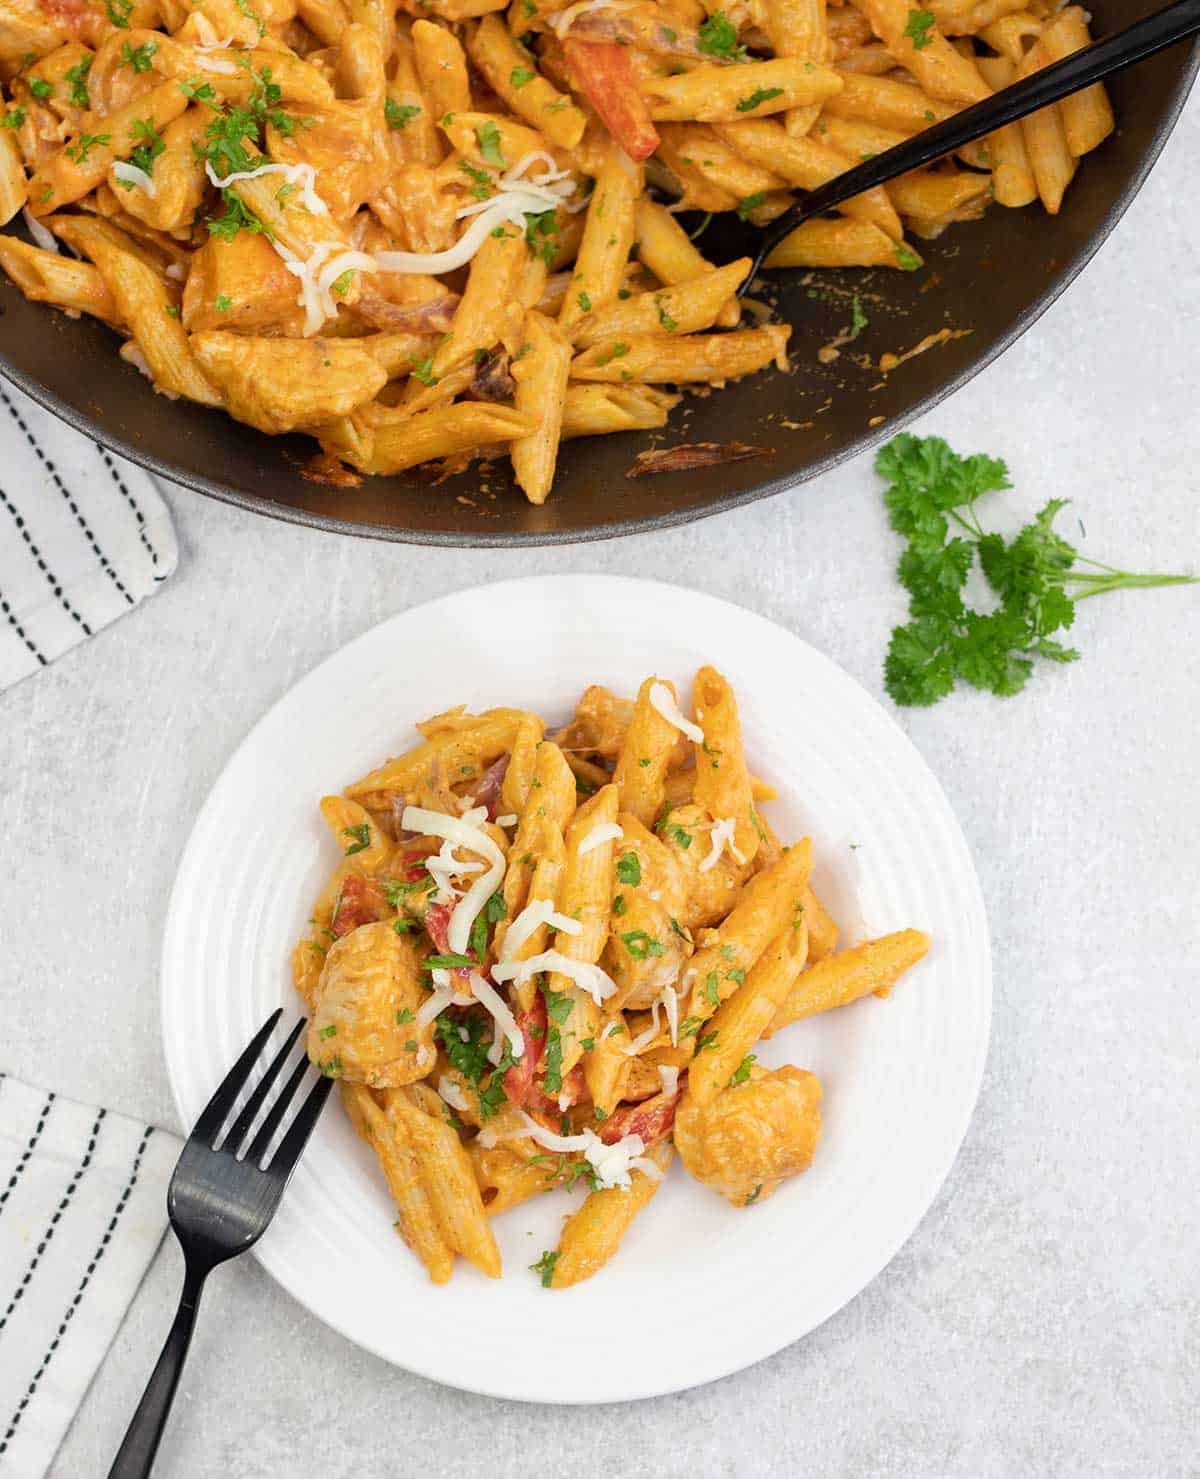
[398,115]
[920,23]
[422,370]
[552,1084]
[753,1197]
[14,118]
[640,944]
[118,12]
[519,76]
[448,963]
[712,989]
[40,88]
[83,146]
[469,1055]
[558,1004]
[629,869]
[541,234]
[140,58]
[1036,577]
[759,95]
[361,836]
[706,1040]
[742,1072]
[77,77]
[545,1266]
[489,143]
[750,203]
[718,37]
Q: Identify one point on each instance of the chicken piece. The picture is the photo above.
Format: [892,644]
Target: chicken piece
[646,950]
[280,385]
[753,1134]
[247,277]
[599,724]
[708,895]
[363,1027]
[179,181]
[341,142]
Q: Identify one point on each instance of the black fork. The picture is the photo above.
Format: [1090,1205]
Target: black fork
[220,1202]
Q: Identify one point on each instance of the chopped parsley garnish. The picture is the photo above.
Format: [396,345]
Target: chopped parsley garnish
[858,319]
[629,869]
[619,905]
[718,37]
[492,1096]
[361,836]
[489,143]
[332,1068]
[738,976]
[664,317]
[198,91]
[118,12]
[640,944]
[482,187]
[140,58]
[616,352]
[750,202]
[742,1072]
[448,962]
[422,370]
[40,88]
[403,1016]
[341,284]
[80,150]
[541,234]
[706,1040]
[759,95]
[330,1031]
[469,1057]
[558,1004]
[909,261]
[677,834]
[1036,577]
[253,15]
[585,303]
[545,1264]
[519,76]
[150,148]
[712,989]
[494,909]
[753,1197]
[553,1080]
[14,118]
[77,77]
[920,24]
[398,115]
[705,222]
[223,304]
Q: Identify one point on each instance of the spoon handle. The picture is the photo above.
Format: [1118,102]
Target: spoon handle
[1039,90]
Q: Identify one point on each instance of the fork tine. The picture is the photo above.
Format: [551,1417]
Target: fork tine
[274,1117]
[241,1126]
[213,1115]
[291,1147]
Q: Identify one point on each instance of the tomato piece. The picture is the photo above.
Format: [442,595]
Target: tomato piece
[437,922]
[605,76]
[361,901]
[518,1081]
[652,1119]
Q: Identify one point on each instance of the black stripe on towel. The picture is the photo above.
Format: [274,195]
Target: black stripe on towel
[123,489]
[30,644]
[31,1390]
[30,1147]
[54,1221]
[71,504]
[56,589]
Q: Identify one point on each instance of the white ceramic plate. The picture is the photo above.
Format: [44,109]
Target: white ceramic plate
[699,1288]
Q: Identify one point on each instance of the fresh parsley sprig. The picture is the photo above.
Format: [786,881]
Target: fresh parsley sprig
[1037,577]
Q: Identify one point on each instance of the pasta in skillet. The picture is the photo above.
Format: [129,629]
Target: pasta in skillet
[545,961]
[441,232]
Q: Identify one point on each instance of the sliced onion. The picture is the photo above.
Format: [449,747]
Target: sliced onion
[43,237]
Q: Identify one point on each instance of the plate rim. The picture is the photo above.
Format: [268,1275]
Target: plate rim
[668,518]
[826,1309]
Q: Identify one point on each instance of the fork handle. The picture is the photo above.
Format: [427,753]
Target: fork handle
[135,1457]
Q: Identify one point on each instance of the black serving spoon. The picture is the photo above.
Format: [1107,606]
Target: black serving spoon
[1050,85]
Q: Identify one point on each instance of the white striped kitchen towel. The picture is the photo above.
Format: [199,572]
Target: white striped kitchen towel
[83,1207]
[84,536]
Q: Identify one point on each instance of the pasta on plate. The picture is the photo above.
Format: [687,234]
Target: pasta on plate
[547,960]
[449,230]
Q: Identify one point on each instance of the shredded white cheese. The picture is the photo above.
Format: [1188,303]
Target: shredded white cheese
[506,1023]
[303,175]
[534,914]
[663,702]
[317,276]
[130,174]
[612,1164]
[432,1006]
[517,198]
[720,838]
[461,830]
[589,978]
[644,1039]
[451,1091]
[670,1003]
[42,237]
[508,820]
[668,1077]
[598,836]
[176,270]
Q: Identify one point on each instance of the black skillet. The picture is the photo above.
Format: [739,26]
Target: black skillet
[994,277]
